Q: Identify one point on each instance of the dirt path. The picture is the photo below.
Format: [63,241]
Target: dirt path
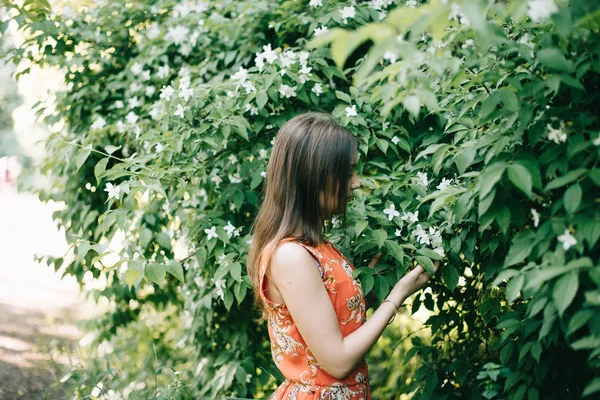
[38,310]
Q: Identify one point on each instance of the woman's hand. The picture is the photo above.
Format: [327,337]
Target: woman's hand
[416,279]
[411,283]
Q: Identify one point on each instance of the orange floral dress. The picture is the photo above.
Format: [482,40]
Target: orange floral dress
[304,378]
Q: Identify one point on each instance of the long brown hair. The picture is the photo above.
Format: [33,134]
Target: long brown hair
[311,157]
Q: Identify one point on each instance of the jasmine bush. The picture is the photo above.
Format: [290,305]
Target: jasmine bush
[479,131]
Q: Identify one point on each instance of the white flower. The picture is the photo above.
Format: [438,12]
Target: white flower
[263,174]
[113,191]
[351,111]
[230,229]
[440,251]
[536,217]
[287,91]
[217,180]
[180,110]
[287,59]
[411,3]
[186,93]
[435,236]
[166,92]
[131,118]
[443,184]
[249,376]
[556,135]
[421,235]
[596,141]
[541,9]
[468,43]
[391,212]
[241,75]
[155,112]
[133,102]
[220,285]
[317,89]
[181,10]
[304,73]
[178,34]
[395,139]
[253,110]
[99,123]
[391,56]
[303,57]
[320,30]
[136,68]
[347,12]
[259,61]
[119,104]
[249,86]
[263,153]
[315,3]
[153,31]
[146,75]
[567,240]
[163,71]
[398,232]
[120,127]
[212,232]
[150,91]
[413,217]
[233,159]
[268,54]
[159,148]
[335,222]
[422,179]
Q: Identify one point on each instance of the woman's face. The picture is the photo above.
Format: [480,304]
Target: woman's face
[353,183]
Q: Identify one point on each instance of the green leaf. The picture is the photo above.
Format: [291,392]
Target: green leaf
[343,96]
[489,177]
[83,248]
[360,226]
[514,287]
[592,387]
[99,169]
[380,235]
[235,269]
[579,319]
[451,276]
[135,269]
[519,250]
[572,198]
[429,253]
[82,155]
[426,263]
[163,240]
[156,273]
[553,58]
[412,104]
[565,290]
[564,180]
[395,250]
[520,177]
[464,158]
[261,99]
[111,149]
[175,269]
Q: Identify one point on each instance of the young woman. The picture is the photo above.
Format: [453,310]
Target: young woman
[304,285]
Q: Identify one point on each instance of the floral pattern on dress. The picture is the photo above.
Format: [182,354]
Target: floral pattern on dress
[305,379]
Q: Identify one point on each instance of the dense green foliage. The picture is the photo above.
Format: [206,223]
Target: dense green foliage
[479,131]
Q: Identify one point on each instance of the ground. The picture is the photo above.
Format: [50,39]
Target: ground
[38,309]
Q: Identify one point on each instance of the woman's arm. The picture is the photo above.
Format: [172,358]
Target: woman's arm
[305,296]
